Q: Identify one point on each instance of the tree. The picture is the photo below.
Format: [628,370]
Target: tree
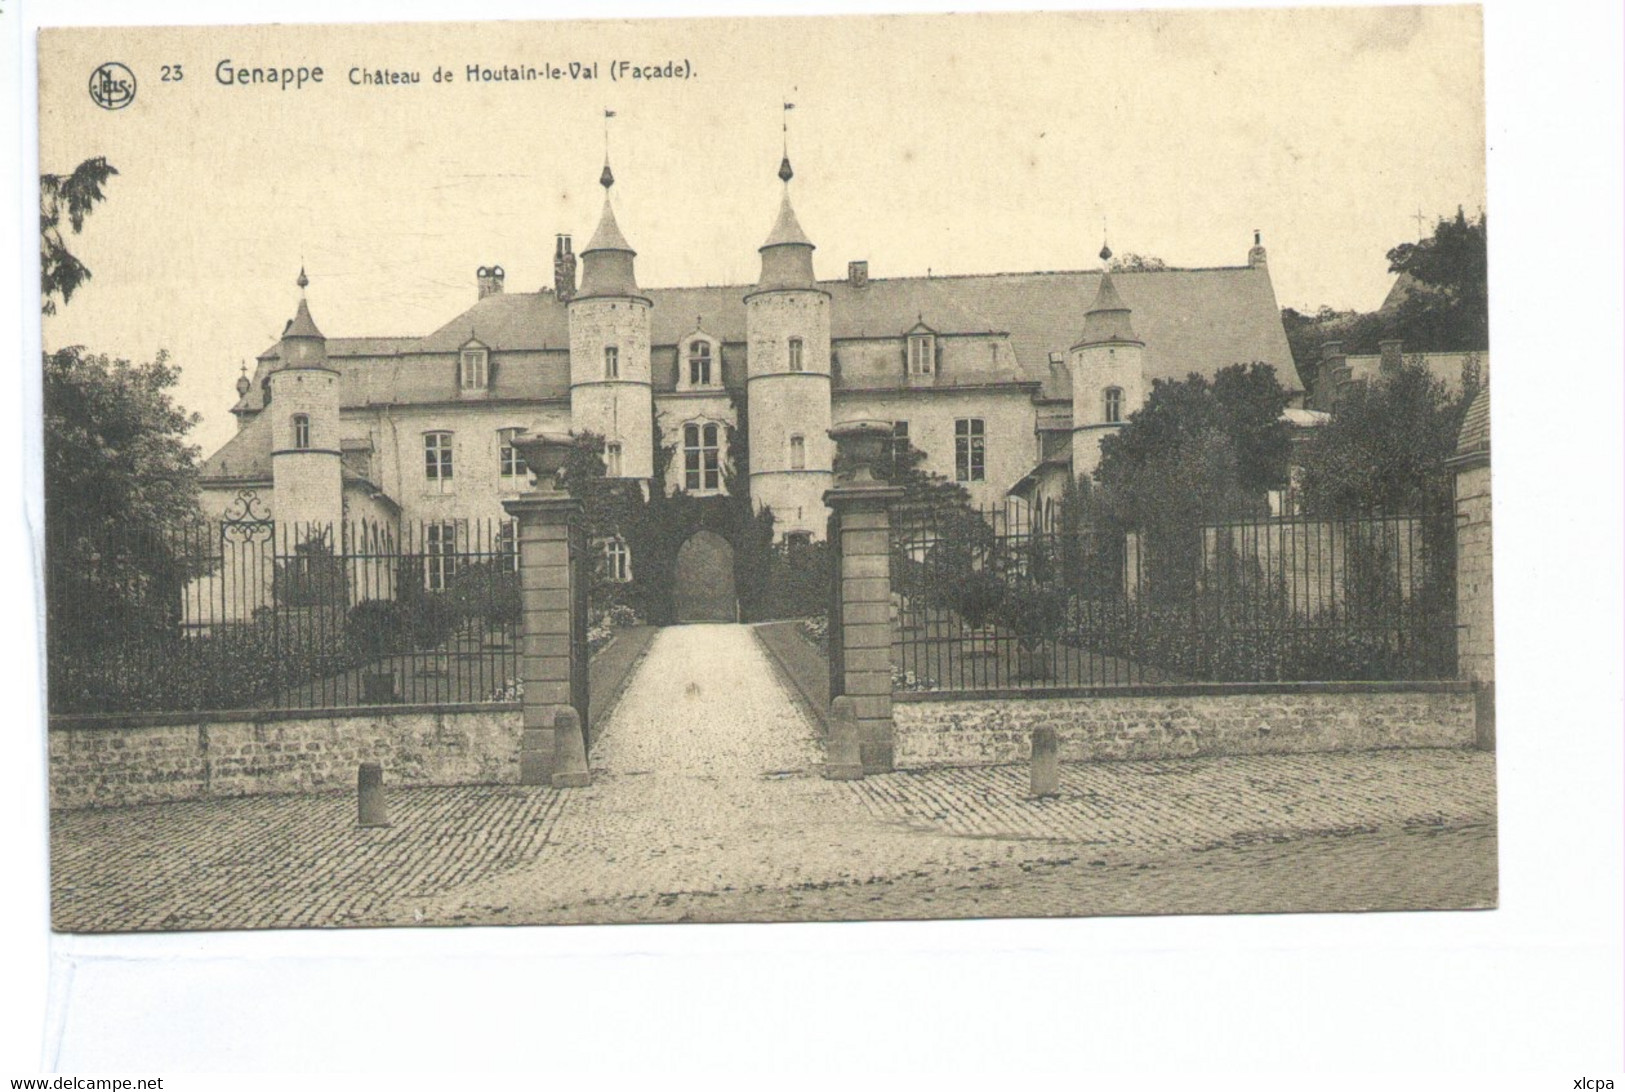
[1384,450]
[1196,452]
[76,195]
[1137,263]
[1448,306]
[120,487]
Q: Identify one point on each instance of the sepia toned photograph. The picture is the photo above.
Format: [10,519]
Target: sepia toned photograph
[767,470]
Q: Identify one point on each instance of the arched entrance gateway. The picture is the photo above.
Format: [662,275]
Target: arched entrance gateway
[704,589]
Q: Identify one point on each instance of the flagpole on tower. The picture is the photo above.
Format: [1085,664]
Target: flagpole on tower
[785,173]
[607,178]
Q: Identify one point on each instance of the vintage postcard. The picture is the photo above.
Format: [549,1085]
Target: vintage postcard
[767,469]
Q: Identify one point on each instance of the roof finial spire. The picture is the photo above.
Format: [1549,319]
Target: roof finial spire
[302,281]
[607,178]
[785,173]
[1105,248]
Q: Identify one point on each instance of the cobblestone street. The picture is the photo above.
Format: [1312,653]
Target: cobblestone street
[706,805]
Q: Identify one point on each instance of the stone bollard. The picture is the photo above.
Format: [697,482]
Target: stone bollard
[842,757]
[371,808]
[570,769]
[1046,776]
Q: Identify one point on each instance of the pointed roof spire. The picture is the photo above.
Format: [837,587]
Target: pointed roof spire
[786,229]
[302,325]
[1108,318]
[608,236]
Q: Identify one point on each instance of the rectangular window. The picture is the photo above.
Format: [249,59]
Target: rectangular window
[301,431]
[612,460]
[612,362]
[437,460]
[795,354]
[512,463]
[702,458]
[920,356]
[798,453]
[508,545]
[439,555]
[474,369]
[1114,405]
[969,450]
[617,560]
[899,445]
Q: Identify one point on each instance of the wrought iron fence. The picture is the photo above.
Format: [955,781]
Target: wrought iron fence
[252,613]
[1008,598]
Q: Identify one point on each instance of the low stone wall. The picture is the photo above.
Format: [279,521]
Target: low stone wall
[992,727]
[110,761]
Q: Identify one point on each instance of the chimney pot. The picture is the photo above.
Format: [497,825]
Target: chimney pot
[857,274]
[564,269]
[489,279]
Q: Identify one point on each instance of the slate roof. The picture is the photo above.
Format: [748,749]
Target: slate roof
[786,229]
[1474,438]
[1190,320]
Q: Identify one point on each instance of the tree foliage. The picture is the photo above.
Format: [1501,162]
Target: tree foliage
[1445,308]
[73,195]
[1385,448]
[118,470]
[1197,449]
[1137,263]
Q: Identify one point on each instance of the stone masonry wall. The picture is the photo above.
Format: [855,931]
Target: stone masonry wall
[1475,583]
[116,761]
[978,731]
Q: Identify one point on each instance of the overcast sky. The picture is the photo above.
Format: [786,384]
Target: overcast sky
[959,144]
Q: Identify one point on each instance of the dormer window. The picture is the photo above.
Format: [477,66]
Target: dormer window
[474,368]
[301,431]
[1114,405]
[612,362]
[922,354]
[796,364]
[699,363]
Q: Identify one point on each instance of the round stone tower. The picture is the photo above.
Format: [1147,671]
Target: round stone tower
[302,402]
[610,383]
[788,380]
[1108,373]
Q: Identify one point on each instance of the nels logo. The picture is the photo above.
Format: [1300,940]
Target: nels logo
[112,86]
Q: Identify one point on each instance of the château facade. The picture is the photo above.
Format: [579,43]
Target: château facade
[1006,381]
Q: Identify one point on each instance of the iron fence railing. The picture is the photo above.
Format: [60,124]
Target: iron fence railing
[991,600]
[251,613]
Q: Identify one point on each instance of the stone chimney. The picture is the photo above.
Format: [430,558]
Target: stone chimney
[1332,374]
[564,269]
[490,280]
[1393,353]
[857,274]
[1258,256]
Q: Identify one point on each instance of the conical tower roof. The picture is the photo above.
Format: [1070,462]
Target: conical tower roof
[302,325]
[1108,318]
[786,229]
[608,236]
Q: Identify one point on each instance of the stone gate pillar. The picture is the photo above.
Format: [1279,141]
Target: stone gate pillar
[545,515]
[862,508]
[1475,580]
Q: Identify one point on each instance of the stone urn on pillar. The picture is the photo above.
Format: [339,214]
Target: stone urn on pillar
[545,454]
[860,447]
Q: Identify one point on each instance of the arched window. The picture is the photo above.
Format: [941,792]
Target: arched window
[795,355]
[617,560]
[1114,405]
[798,453]
[699,364]
[301,431]
[702,458]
